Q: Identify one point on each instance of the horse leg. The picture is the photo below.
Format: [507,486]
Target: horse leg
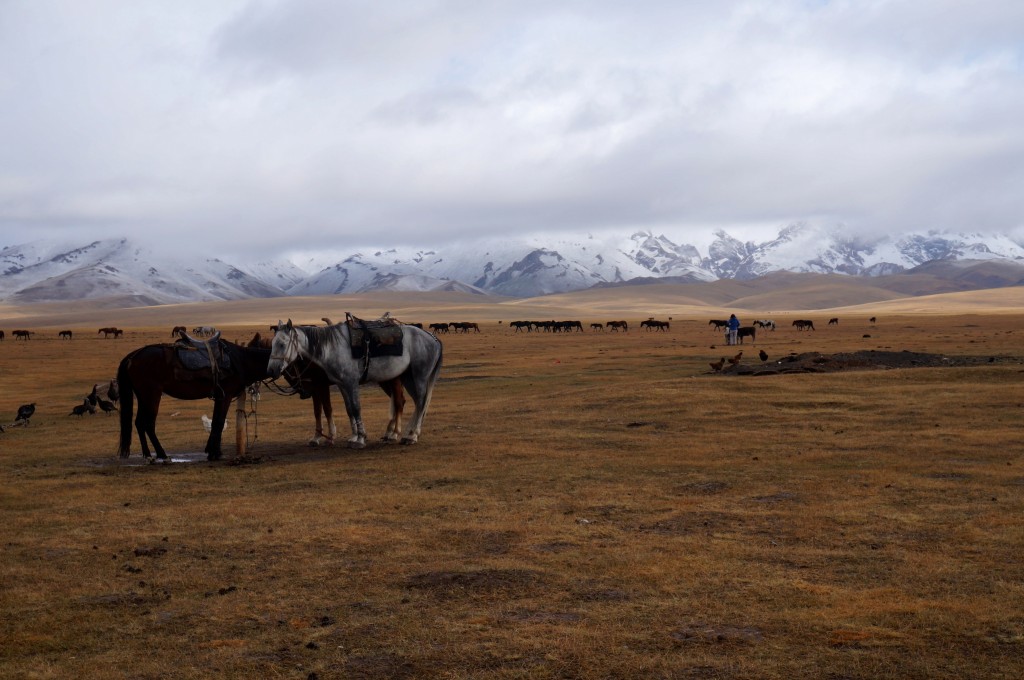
[322,410]
[420,393]
[145,424]
[350,393]
[220,416]
[393,388]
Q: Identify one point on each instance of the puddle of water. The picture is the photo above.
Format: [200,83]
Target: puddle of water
[136,460]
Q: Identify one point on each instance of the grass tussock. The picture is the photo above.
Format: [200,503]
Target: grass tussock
[579,506]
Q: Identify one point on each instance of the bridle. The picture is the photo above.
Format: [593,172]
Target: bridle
[293,342]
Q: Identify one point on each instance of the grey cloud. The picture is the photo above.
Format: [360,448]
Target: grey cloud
[324,120]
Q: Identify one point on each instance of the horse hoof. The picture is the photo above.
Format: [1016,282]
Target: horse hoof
[406,441]
[356,444]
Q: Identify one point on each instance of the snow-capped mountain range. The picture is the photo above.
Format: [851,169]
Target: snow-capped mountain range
[515,267]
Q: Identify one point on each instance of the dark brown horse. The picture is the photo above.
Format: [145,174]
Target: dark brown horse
[154,370]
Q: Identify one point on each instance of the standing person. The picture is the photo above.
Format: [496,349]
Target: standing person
[734,327]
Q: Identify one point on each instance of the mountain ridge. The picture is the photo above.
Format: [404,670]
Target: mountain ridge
[510,267]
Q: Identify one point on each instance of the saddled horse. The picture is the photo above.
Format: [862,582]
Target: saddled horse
[64,335]
[718,324]
[653,324]
[154,370]
[330,348]
[310,381]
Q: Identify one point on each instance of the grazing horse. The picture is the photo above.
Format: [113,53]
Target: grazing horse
[652,324]
[746,332]
[567,326]
[204,331]
[718,324]
[154,370]
[834,321]
[803,324]
[872,320]
[330,348]
[64,335]
[108,331]
[22,335]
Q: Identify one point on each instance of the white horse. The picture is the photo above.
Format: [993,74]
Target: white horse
[765,323]
[330,348]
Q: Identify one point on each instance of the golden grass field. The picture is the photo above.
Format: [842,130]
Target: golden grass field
[592,505]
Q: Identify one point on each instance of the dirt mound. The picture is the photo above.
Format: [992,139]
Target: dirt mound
[866,360]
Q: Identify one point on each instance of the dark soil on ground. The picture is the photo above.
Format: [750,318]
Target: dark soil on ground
[867,360]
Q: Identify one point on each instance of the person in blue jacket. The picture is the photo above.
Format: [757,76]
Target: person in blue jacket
[734,327]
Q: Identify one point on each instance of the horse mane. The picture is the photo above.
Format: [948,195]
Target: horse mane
[323,340]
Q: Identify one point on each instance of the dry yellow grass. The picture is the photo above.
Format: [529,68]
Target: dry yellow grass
[590,505]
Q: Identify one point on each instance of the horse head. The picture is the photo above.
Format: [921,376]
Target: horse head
[284,349]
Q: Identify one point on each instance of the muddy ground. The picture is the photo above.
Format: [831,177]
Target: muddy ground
[866,360]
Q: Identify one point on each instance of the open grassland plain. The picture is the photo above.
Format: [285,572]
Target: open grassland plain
[580,505]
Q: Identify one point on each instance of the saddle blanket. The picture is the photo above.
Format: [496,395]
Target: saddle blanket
[380,338]
[205,357]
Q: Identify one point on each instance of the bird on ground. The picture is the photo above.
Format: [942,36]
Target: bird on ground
[80,410]
[107,406]
[763,355]
[736,359]
[25,412]
[717,365]
[113,391]
[94,395]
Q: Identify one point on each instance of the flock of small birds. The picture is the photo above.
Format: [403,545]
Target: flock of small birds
[90,404]
[93,400]
[734,360]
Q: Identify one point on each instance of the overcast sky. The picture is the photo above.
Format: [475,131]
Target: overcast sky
[298,124]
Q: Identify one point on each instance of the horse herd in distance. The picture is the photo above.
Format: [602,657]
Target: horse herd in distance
[552,326]
[67,334]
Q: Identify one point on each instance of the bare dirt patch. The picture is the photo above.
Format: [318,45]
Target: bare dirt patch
[865,360]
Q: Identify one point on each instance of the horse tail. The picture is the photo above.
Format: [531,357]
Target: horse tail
[435,370]
[124,383]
